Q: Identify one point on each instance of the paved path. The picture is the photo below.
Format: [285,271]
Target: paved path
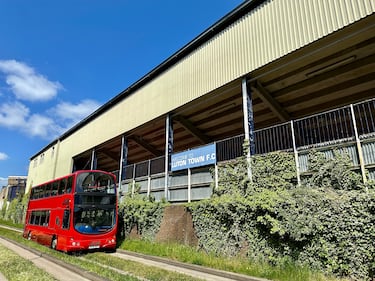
[2,277]
[207,274]
[57,271]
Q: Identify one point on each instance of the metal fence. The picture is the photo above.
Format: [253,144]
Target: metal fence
[351,129]
[364,113]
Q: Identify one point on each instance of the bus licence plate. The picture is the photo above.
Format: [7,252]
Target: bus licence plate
[94,245]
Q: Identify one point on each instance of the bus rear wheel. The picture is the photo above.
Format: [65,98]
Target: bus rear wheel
[29,236]
[54,243]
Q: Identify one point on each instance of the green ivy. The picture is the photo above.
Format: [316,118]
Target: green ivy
[143,213]
[274,171]
[15,211]
[334,173]
[327,224]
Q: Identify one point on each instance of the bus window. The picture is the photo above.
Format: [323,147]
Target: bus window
[47,190]
[95,182]
[69,185]
[39,192]
[37,218]
[65,222]
[32,218]
[93,220]
[47,218]
[36,193]
[62,185]
[44,218]
[55,187]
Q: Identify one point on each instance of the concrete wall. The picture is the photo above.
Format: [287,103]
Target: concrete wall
[176,227]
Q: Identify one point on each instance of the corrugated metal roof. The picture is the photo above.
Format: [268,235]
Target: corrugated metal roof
[252,35]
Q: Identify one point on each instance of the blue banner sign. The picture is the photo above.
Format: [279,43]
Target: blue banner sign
[201,156]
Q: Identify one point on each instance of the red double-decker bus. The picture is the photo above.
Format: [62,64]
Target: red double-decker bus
[77,212]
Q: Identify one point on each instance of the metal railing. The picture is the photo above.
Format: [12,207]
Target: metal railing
[273,138]
[322,130]
[364,113]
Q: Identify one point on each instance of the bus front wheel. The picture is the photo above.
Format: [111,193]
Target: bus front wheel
[54,243]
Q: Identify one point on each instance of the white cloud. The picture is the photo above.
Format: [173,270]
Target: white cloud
[26,84]
[17,116]
[3,156]
[71,113]
[42,126]
[13,115]
[3,182]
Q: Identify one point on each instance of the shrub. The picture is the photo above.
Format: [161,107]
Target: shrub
[15,211]
[143,213]
[328,225]
[333,173]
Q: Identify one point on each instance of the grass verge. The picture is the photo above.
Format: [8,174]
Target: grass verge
[286,272]
[134,268]
[100,263]
[16,268]
[12,224]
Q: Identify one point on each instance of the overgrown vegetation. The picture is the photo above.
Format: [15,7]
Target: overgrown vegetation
[288,271]
[142,214]
[16,268]
[327,224]
[15,211]
[102,264]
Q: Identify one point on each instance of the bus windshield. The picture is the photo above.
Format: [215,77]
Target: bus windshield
[94,220]
[95,182]
[94,202]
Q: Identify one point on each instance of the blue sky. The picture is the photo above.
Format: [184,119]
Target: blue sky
[61,60]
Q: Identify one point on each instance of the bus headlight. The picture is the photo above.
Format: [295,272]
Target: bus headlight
[111,241]
[74,243]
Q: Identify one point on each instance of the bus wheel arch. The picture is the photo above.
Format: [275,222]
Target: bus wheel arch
[54,242]
[29,236]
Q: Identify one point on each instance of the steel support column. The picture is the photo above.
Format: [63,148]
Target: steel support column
[168,151]
[94,160]
[359,145]
[123,160]
[296,159]
[248,118]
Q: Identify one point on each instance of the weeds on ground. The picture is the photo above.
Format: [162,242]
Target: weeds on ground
[287,272]
[102,264]
[16,268]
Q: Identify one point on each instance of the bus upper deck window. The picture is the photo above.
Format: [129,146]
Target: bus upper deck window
[66,218]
